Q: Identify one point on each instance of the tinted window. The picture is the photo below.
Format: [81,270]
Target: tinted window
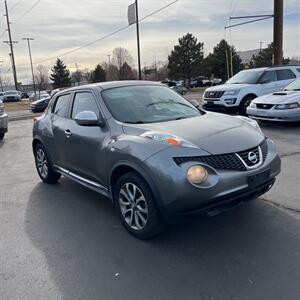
[61,105]
[285,74]
[84,101]
[298,70]
[268,76]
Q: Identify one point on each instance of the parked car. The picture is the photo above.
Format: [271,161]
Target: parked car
[11,96]
[38,95]
[155,155]
[169,83]
[1,96]
[3,121]
[180,89]
[41,104]
[24,95]
[280,106]
[237,93]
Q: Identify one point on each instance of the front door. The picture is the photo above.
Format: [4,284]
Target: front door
[85,143]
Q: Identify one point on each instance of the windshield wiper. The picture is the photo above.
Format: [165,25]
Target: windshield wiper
[169,102]
[135,122]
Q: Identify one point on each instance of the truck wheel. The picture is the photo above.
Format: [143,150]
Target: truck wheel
[244,104]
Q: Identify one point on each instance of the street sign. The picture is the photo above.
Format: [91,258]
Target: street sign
[131,14]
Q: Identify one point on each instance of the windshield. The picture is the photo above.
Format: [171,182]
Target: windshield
[294,86]
[11,93]
[147,104]
[247,76]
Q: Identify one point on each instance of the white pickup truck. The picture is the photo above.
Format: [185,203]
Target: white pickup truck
[238,92]
[3,121]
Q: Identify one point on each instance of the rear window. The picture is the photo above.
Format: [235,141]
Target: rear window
[61,105]
[285,74]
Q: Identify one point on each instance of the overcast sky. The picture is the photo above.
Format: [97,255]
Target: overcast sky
[62,25]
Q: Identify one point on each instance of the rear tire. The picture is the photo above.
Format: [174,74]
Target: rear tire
[136,207]
[244,104]
[2,136]
[43,165]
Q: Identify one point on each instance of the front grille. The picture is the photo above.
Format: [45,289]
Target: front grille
[228,161]
[213,94]
[264,106]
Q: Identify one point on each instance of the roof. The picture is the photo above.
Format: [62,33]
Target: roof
[113,84]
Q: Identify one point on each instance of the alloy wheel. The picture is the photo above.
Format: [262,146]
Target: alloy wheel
[133,206]
[42,163]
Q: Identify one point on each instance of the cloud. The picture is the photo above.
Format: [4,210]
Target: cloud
[59,26]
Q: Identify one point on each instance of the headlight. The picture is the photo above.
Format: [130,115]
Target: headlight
[252,105]
[197,174]
[253,123]
[231,93]
[167,138]
[287,106]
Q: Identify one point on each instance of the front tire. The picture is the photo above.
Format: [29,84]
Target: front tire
[136,207]
[244,104]
[43,165]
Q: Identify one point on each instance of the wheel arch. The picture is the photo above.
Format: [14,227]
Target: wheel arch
[124,167]
[252,95]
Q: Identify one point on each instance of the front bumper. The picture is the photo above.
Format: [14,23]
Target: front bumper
[283,115]
[3,123]
[178,198]
[220,105]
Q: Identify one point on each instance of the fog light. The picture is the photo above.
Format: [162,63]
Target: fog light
[230,101]
[197,174]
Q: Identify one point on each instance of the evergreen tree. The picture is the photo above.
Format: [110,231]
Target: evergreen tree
[126,72]
[186,58]
[265,58]
[60,75]
[215,63]
[98,74]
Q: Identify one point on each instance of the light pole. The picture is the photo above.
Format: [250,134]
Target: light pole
[30,57]
[138,38]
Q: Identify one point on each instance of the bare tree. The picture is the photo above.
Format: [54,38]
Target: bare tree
[77,76]
[112,72]
[41,78]
[120,57]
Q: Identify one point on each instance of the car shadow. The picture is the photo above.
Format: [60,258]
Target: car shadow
[251,252]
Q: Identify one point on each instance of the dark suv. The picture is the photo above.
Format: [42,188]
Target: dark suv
[153,153]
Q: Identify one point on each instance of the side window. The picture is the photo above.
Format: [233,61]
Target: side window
[268,76]
[84,101]
[285,74]
[298,70]
[61,105]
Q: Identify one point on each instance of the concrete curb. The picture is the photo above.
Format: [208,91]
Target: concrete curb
[22,117]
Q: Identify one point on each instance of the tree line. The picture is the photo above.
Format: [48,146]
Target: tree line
[186,61]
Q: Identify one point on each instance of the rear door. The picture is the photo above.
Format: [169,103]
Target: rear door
[85,143]
[59,113]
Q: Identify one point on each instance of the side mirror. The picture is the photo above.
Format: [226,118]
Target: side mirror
[88,118]
[195,103]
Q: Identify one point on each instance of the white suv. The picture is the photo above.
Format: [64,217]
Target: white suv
[237,93]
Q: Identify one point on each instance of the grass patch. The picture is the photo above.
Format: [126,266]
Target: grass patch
[12,106]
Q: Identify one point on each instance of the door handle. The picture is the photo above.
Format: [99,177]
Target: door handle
[68,133]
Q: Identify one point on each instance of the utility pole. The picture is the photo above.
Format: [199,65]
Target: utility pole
[260,46]
[1,61]
[278,31]
[138,38]
[10,42]
[30,57]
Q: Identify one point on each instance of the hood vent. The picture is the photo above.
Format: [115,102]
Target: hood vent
[280,93]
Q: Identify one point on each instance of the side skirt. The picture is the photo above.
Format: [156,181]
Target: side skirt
[83,181]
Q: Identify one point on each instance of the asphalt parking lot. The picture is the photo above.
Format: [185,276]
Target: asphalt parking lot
[65,242]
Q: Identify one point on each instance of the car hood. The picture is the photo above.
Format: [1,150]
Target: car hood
[212,132]
[228,87]
[281,97]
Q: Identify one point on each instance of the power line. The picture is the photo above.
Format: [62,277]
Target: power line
[27,11]
[102,38]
